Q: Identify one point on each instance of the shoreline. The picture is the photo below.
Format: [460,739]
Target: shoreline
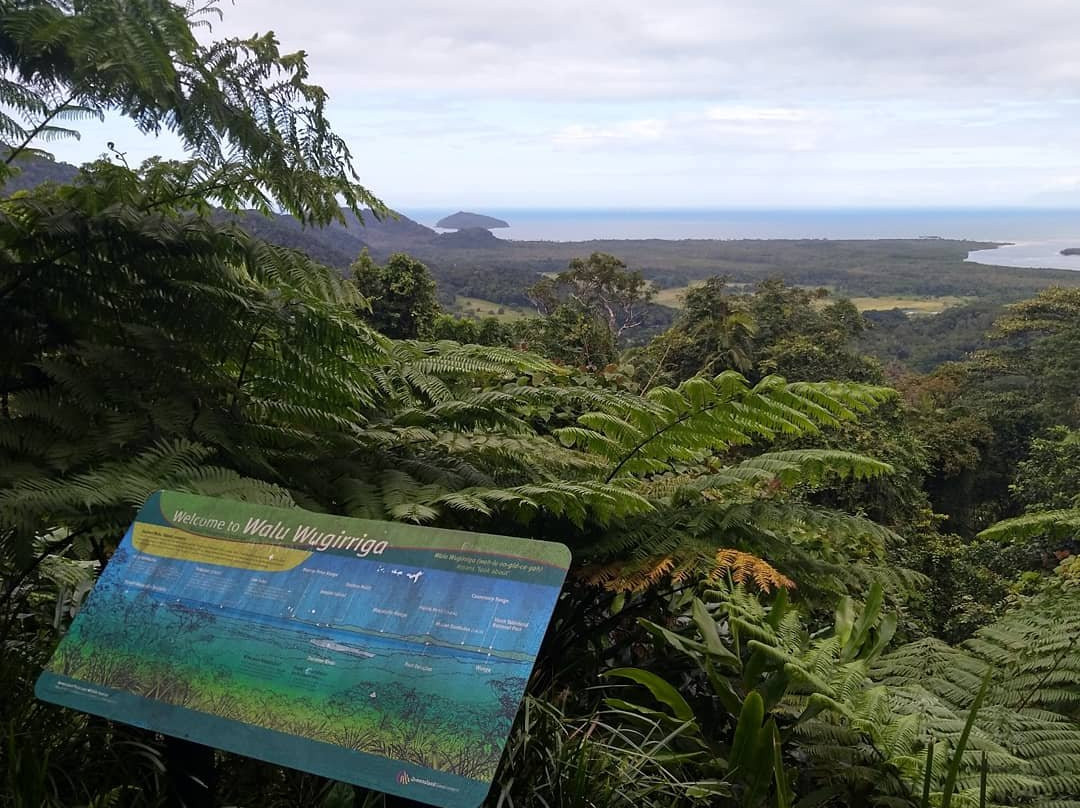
[751,240]
[1034,254]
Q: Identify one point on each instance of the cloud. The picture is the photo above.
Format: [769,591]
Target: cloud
[744,114]
[680,48]
[649,130]
[724,127]
[687,102]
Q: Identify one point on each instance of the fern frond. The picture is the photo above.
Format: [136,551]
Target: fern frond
[743,567]
[1062,524]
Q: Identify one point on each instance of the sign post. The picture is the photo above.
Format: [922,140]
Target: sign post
[385,655]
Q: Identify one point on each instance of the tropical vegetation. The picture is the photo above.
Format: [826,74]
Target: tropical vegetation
[802,577]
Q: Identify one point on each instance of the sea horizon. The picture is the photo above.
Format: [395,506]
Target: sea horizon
[1031,237]
[583,224]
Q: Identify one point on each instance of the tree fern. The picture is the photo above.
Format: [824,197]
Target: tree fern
[245,111]
[678,447]
[1060,524]
[703,416]
[1028,727]
[860,722]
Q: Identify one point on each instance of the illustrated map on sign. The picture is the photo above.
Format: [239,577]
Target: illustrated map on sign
[385,655]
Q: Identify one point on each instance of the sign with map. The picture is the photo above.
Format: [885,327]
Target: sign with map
[385,655]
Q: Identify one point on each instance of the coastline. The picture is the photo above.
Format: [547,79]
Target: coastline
[1029,255]
[952,224]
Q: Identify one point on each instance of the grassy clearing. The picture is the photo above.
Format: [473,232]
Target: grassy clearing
[674,296]
[478,307]
[911,305]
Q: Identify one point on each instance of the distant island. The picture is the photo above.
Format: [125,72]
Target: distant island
[1071,251]
[462,220]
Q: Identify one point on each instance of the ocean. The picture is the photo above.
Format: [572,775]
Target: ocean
[1035,236]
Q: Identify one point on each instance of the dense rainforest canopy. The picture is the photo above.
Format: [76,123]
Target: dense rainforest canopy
[802,576]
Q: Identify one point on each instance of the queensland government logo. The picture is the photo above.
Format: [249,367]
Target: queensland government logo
[403,778]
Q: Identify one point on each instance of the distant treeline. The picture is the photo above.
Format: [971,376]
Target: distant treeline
[500,271]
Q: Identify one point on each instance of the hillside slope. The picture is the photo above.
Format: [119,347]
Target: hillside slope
[474,263]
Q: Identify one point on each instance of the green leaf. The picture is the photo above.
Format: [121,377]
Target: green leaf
[867,619]
[713,644]
[760,768]
[886,629]
[961,745]
[723,690]
[661,690]
[845,620]
[775,687]
[816,704]
[779,608]
[680,643]
[756,665]
[651,716]
[701,789]
[783,787]
[744,742]
[928,775]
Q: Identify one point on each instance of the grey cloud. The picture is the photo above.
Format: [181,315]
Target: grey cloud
[730,102]
[645,49]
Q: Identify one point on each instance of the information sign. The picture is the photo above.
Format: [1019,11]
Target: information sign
[381,654]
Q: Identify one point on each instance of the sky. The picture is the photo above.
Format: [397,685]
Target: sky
[480,104]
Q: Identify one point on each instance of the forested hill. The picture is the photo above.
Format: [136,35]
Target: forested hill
[37,170]
[338,245]
[475,264]
[335,245]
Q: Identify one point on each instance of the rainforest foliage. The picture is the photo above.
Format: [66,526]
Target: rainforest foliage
[801,577]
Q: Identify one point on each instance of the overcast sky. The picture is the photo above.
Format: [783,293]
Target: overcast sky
[688,103]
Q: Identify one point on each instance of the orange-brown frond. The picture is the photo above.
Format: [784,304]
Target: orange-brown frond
[679,568]
[743,567]
[635,577]
[653,575]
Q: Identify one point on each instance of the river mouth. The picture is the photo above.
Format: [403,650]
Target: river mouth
[1030,255]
